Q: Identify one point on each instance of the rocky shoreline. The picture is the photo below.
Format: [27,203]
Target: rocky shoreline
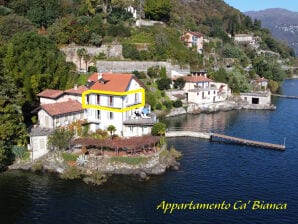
[156,164]
[217,107]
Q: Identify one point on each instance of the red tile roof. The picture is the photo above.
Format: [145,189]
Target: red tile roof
[77,91]
[261,80]
[55,109]
[197,34]
[50,93]
[113,82]
[196,79]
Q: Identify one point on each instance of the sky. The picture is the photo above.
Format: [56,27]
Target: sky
[255,5]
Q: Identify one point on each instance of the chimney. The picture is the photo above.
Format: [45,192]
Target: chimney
[75,86]
[99,75]
[205,74]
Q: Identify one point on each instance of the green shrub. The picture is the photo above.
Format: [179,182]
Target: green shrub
[139,75]
[168,104]
[158,129]
[158,106]
[69,156]
[92,69]
[153,72]
[71,173]
[118,30]
[177,103]
[130,51]
[164,83]
[96,178]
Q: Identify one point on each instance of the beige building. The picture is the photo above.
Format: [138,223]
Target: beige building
[193,39]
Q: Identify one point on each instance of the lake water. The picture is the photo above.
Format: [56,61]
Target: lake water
[209,173]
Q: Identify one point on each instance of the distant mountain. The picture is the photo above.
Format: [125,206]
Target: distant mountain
[282,23]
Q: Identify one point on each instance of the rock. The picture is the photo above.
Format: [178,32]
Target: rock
[143,175]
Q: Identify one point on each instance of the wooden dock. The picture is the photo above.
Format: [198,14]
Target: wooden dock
[285,96]
[189,132]
[230,139]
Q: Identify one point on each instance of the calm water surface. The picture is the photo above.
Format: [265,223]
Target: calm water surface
[210,172]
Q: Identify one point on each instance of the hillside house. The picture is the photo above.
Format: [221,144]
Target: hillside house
[202,90]
[247,39]
[121,106]
[193,40]
[107,99]
[260,84]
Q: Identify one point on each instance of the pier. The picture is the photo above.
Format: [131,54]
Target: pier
[285,96]
[230,139]
[214,137]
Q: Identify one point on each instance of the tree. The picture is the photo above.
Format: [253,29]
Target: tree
[43,12]
[164,83]
[158,10]
[86,58]
[179,83]
[111,129]
[81,52]
[60,139]
[30,54]
[106,6]
[12,128]
[158,129]
[12,24]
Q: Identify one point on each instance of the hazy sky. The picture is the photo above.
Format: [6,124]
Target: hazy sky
[249,5]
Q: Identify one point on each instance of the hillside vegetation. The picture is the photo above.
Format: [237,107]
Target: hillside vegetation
[31,32]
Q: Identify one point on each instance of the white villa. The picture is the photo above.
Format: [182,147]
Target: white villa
[202,90]
[107,99]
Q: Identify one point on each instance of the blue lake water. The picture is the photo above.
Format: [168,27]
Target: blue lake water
[209,172]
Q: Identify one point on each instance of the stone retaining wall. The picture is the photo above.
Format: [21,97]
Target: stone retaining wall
[129,66]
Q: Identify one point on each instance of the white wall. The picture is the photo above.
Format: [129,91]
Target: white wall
[130,131]
[38,146]
[202,97]
[191,85]
[46,121]
[263,100]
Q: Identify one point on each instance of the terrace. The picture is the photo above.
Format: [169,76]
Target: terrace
[119,146]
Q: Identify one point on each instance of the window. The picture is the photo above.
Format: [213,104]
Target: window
[208,92]
[111,101]
[98,99]
[214,92]
[111,115]
[255,101]
[87,99]
[98,115]
[136,97]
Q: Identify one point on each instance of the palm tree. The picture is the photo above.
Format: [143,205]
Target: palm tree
[111,129]
[81,52]
[86,58]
